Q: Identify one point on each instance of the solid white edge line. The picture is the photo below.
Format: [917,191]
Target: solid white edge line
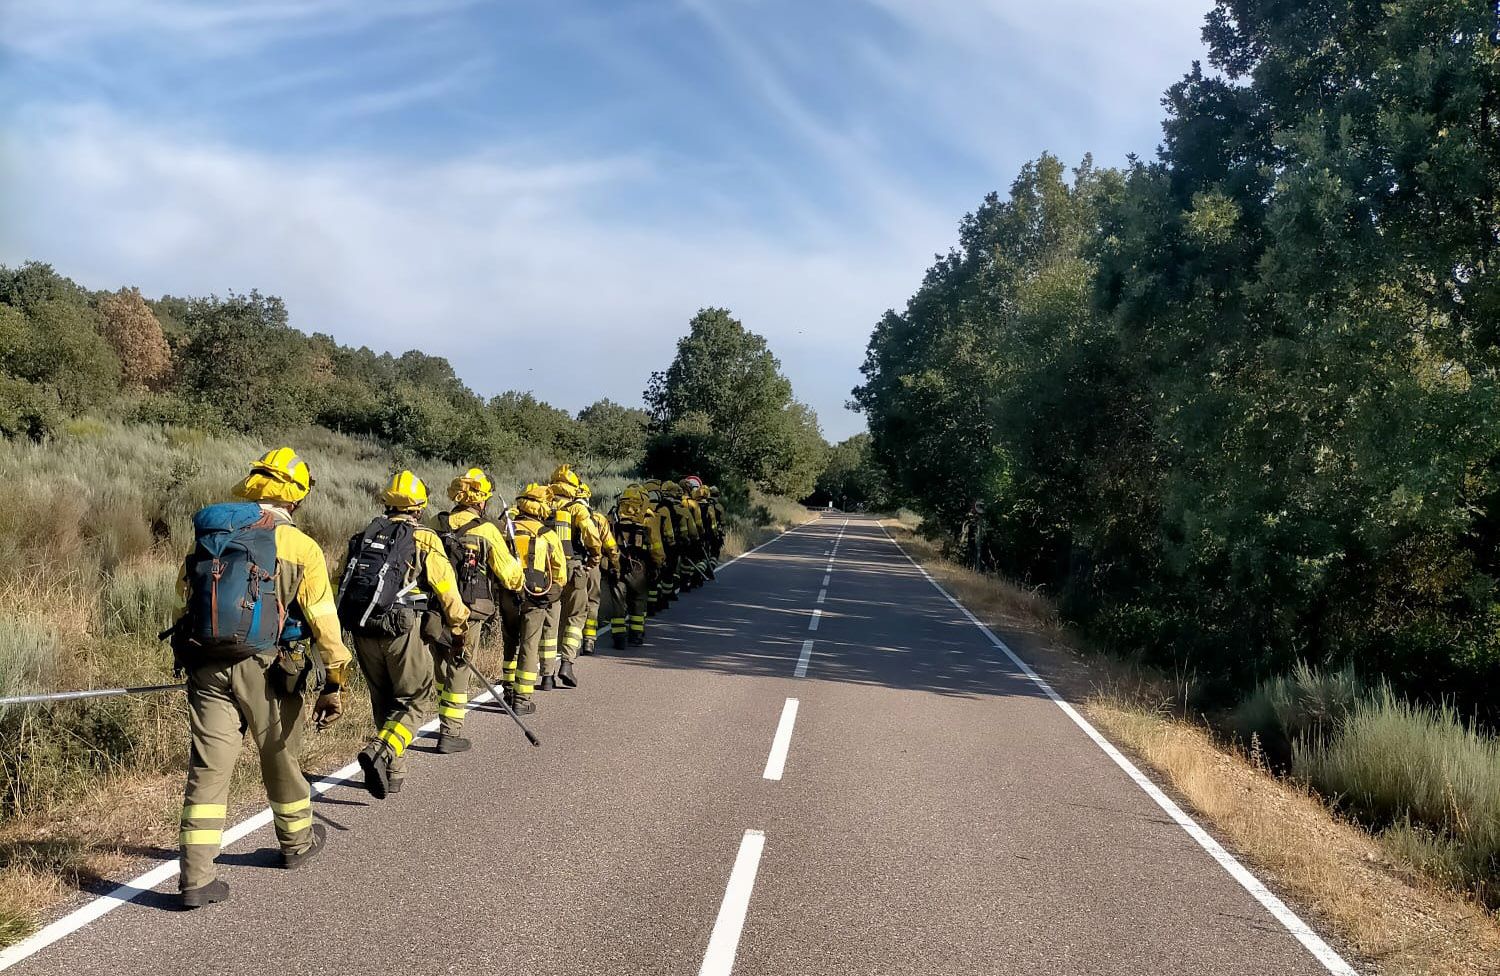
[805,658]
[1293,923]
[163,871]
[813,623]
[782,742]
[725,940]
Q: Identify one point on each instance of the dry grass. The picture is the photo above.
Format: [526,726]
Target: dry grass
[1403,923]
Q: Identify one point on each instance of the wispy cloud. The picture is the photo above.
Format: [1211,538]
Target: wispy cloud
[488,262]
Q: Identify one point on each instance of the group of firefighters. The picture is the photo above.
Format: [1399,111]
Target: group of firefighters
[416,601]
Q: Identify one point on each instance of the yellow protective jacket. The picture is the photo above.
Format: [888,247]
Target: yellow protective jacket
[697,513]
[551,557]
[607,543]
[504,568]
[650,524]
[434,575]
[685,525]
[303,589]
[575,528]
[662,513]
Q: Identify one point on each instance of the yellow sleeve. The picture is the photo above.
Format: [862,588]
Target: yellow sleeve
[658,553]
[442,584]
[585,531]
[503,564]
[607,537]
[315,595]
[557,563]
[664,525]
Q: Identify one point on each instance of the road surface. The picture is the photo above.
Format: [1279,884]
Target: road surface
[818,766]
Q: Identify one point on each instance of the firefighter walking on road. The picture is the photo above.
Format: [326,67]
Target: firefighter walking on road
[580,541]
[250,668]
[484,568]
[641,559]
[526,614]
[397,570]
[609,566]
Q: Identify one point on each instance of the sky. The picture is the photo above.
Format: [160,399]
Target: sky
[556,183]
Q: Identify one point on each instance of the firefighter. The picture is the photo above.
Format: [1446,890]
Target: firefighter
[581,544]
[610,566]
[230,691]
[397,571]
[485,568]
[664,590]
[525,612]
[641,560]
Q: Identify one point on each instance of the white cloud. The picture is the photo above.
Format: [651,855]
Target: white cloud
[498,265]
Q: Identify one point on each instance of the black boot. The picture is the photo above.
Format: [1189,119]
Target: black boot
[565,675]
[216,890]
[549,683]
[395,785]
[292,860]
[619,641]
[449,744]
[524,706]
[637,640]
[587,648]
[375,760]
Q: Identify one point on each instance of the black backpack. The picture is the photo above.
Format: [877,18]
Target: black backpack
[373,597]
[470,555]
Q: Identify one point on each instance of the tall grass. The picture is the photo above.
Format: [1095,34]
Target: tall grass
[1305,706]
[1430,780]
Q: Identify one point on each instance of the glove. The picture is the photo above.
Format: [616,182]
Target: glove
[329,707]
[456,649]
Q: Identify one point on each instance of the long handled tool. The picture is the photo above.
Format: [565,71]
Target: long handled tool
[499,694]
[58,696]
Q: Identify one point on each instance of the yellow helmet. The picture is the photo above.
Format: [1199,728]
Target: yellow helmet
[564,475]
[473,487]
[280,476]
[633,493]
[535,501]
[701,492]
[713,491]
[562,490]
[406,492]
[584,491]
[671,489]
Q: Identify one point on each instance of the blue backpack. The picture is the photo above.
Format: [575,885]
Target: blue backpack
[232,609]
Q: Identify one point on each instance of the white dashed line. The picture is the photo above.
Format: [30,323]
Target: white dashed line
[826,578]
[816,617]
[822,595]
[725,941]
[776,762]
[805,658]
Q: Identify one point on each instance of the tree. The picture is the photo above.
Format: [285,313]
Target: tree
[243,361]
[615,434]
[725,388]
[850,478]
[133,330]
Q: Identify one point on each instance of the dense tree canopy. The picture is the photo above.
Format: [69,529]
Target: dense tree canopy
[724,408]
[1238,405]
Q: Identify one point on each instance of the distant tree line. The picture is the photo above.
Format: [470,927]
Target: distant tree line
[236,364]
[1238,407]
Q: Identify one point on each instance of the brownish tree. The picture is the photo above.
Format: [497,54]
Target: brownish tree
[132,328]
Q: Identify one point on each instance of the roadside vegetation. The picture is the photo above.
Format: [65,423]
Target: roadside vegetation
[1232,412]
[121,416]
[1383,892]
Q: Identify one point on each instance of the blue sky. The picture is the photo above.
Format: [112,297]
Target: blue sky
[499,181]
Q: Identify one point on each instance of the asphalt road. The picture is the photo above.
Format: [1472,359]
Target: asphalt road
[935,813]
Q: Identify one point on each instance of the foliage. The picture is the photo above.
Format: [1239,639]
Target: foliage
[850,479]
[1424,773]
[133,330]
[723,408]
[1237,406]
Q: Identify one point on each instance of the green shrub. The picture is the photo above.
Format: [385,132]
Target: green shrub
[1401,765]
[28,656]
[27,409]
[1307,704]
[139,599]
